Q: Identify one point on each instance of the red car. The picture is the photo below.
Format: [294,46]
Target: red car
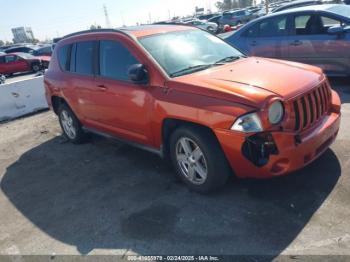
[19,62]
[187,95]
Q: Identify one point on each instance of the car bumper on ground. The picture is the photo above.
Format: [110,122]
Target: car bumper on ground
[290,155]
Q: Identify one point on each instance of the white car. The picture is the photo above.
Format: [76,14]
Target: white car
[203,24]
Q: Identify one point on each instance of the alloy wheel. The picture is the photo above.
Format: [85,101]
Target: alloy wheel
[67,124]
[191,161]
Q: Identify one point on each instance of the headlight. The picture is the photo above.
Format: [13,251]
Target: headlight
[248,123]
[276,112]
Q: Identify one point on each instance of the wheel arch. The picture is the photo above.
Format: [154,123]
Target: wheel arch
[169,125]
[56,101]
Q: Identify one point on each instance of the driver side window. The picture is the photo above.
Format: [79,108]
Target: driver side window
[115,60]
[10,58]
[313,24]
[328,22]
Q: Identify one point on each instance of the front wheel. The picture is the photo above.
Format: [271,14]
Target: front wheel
[198,159]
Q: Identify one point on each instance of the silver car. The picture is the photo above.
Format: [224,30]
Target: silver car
[317,35]
[237,17]
[203,24]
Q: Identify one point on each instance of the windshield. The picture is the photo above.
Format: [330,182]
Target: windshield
[184,52]
[343,10]
[25,56]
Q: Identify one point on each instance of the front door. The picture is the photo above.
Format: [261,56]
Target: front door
[310,43]
[120,106]
[15,64]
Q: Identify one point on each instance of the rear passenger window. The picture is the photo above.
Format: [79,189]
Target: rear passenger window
[84,58]
[273,27]
[63,55]
[115,60]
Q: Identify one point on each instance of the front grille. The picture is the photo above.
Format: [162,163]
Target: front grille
[311,106]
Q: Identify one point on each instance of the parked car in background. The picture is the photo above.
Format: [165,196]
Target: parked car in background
[317,35]
[43,51]
[185,94]
[19,63]
[215,19]
[21,49]
[300,3]
[203,24]
[207,16]
[233,18]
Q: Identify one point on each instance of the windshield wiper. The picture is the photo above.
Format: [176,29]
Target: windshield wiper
[228,59]
[195,68]
[190,69]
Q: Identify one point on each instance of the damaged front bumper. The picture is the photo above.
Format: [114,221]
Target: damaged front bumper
[269,154]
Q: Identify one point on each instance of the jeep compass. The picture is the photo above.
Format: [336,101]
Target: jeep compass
[193,99]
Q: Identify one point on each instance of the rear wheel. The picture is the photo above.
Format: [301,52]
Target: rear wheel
[70,125]
[198,159]
[210,29]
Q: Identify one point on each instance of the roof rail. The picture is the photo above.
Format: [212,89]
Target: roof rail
[102,30]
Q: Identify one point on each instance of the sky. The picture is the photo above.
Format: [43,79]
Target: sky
[55,18]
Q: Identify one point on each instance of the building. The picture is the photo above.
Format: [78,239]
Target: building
[22,35]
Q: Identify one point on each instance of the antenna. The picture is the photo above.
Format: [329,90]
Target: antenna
[108,23]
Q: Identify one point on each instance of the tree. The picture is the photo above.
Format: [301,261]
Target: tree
[231,4]
[1,43]
[94,27]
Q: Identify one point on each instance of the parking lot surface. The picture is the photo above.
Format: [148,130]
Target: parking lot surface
[104,197]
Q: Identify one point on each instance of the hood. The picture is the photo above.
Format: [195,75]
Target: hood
[253,80]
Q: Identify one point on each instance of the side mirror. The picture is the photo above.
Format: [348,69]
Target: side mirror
[335,30]
[138,74]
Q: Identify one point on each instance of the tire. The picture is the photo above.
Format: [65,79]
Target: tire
[205,173]
[71,127]
[210,29]
[36,67]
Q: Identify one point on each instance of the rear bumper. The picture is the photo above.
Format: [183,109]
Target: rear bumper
[291,156]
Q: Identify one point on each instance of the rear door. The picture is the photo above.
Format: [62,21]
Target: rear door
[265,37]
[82,84]
[310,43]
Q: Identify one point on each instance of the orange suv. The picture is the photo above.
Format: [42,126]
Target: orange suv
[193,99]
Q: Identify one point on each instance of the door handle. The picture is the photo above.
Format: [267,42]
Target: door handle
[296,43]
[102,87]
[253,43]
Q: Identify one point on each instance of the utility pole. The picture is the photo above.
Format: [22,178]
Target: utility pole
[122,16]
[267,6]
[150,18]
[108,23]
